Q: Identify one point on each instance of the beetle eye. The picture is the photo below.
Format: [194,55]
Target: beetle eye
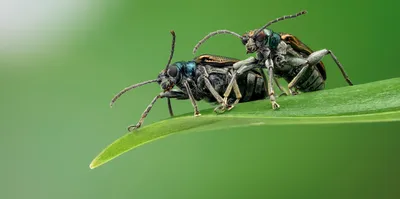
[260,37]
[245,40]
[172,71]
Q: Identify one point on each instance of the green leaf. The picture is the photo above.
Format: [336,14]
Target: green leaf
[371,102]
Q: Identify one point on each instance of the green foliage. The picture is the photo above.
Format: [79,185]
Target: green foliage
[372,102]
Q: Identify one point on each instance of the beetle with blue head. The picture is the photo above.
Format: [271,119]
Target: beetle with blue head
[204,78]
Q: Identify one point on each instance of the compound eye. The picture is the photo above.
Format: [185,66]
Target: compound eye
[245,40]
[172,71]
[260,37]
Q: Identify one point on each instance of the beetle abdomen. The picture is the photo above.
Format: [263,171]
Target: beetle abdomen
[312,80]
[252,86]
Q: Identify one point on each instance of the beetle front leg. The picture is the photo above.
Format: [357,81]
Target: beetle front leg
[170,94]
[191,97]
[240,64]
[270,66]
[179,95]
[144,114]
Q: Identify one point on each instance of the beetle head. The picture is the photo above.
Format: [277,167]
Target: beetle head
[254,42]
[169,77]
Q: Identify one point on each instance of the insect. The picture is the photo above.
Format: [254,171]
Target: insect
[205,77]
[284,56]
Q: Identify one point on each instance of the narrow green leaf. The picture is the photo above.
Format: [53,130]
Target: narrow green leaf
[371,102]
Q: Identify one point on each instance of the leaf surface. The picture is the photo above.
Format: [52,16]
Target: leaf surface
[372,102]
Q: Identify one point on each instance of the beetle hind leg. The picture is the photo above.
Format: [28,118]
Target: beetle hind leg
[316,57]
[346,77]
[295,80]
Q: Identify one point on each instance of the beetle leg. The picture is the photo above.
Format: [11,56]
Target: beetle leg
[191,97]
[297,77]
[179,95]
[229,88]
[144,114]
[173,94]
[232,85]
[270,66]
[170,94]
[221,108]
[233,81]
[237,94]
[239,67]
[240,64]
[213,91]
[209,85]
[316,57]
[293,91]
[171,112]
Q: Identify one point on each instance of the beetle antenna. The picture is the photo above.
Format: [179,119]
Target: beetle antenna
[172,49]
[130,88]
[212,34]
[171,113]
[280,19]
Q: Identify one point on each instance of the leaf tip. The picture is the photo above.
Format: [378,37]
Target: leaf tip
[94,164]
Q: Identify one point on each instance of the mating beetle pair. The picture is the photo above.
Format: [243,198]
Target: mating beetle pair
[207,77]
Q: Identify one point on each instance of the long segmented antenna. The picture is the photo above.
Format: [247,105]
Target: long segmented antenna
[212,34]
[171,113]
[130,88]
[172,49]
[279,19]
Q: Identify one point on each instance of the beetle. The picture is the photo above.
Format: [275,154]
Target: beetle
[206,77]
[284,56]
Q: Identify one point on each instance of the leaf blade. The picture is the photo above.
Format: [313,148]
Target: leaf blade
[371,102]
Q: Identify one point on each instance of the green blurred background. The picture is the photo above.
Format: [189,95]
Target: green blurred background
[62,61]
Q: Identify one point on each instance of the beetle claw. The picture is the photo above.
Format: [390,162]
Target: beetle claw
[275,105]
[133,127]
